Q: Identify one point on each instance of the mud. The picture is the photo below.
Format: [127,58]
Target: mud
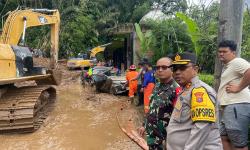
[81,119]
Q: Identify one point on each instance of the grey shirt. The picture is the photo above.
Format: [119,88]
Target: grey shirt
[183,133]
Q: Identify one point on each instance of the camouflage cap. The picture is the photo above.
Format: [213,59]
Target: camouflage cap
[184,58]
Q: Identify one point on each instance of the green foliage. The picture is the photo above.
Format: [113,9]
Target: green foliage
[140,11]
[126,8]
[193,31]
[170,7]
[145,38]
[139,32]
[77,35]
[206,18]
[169,37]
[245,52]
[207,78]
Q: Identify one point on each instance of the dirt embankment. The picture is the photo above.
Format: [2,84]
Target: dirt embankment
[67,76]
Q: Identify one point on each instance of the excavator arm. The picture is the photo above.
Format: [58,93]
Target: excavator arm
[98,49]
[19,20]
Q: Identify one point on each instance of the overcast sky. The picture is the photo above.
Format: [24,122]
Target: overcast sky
[208,2]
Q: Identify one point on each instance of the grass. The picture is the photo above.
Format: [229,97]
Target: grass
[207,78]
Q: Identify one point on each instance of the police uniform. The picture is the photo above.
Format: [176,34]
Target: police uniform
[194,121]
[160,109]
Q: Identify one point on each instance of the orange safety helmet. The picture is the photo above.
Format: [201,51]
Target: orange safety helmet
[132,67]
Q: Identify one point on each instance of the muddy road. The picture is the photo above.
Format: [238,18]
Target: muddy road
[80,120]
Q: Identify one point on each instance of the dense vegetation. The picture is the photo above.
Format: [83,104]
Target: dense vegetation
[83,23]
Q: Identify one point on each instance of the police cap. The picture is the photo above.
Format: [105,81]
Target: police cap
[184,58]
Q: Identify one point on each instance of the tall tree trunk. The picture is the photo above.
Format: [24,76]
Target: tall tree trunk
[230,28]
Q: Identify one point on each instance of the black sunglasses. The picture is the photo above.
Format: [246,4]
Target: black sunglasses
[181,67]
[163,67]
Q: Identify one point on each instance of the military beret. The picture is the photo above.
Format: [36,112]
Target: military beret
[184,58]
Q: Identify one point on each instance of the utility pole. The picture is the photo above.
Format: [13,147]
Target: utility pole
[230,28]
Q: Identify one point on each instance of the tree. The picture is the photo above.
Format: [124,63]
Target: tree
[193,30]
[230,28]
[206,17]
[145,40]
[166,38]
[170,7]
[245,52]
[140,11]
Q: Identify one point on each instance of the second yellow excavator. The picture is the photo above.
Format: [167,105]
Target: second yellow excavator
[23,108]
[83,60]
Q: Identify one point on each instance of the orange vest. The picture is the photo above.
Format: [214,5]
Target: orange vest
[131,75]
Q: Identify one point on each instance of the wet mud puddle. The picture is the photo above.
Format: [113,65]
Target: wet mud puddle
[80,120]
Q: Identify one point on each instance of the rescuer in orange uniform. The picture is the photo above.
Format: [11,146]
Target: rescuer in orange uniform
[131,74]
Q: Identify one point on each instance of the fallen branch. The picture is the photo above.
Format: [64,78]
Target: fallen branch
[130,131]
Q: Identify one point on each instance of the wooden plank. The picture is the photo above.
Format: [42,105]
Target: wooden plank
[130,130]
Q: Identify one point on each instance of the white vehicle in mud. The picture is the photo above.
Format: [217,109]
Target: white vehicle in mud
[104,81]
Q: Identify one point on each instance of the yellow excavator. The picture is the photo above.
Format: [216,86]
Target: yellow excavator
[85,60]
[23,108]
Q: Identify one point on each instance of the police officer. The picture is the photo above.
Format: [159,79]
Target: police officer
[194,121]
[161,106]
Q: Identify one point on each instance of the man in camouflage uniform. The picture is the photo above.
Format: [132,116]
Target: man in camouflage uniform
[161,106]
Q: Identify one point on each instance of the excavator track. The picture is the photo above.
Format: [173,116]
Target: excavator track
[25,109]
